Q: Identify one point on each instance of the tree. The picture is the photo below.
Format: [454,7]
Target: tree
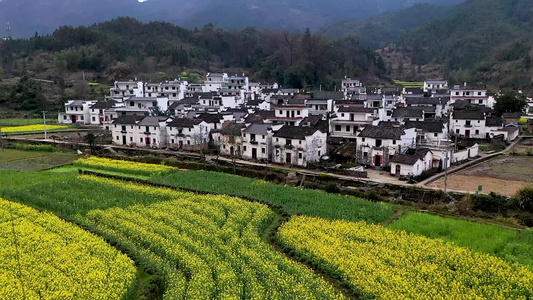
[509,103]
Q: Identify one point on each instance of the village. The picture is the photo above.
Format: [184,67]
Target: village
[407,132]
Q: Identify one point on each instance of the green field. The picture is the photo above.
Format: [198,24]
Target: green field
[201,247]
[408,84]
[33,160]
[506,243]
[23,122]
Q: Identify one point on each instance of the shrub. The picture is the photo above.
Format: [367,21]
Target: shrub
[525,199]
[492,203]
[43,148]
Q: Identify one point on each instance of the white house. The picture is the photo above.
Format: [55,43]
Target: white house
[142,106]
[189,134]
[433,86]
[257,142]
[152,132]
[430,132]
[352,86]
[413,113]
[76,111]
[289,114]
[376,145]
[124,130]
[98,111]
[351,120]
[319,106]
[468,123]
[125,89]
[470,95]
[412,164]
[173,90]
[298,146]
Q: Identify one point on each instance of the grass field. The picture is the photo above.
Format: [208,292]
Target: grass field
[506,243]
[33,128]
[23,122]
[33,160]
[12,155]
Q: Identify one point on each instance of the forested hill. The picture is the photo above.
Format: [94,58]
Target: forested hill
[126,48]
[480,40]
[381,31]
[44,16]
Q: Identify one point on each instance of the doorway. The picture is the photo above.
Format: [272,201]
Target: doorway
[467,133]
[254,153]
[124,140]
[288,159]
[398,170]
[147,141]
[377,162]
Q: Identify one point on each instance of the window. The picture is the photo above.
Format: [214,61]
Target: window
[244,148]
[94,119]
[81,118]
[298,113]
[365,154]
[435,134]
[131,139]
[117,138]
[348,128]
[155,128]
[188,142]
[479,93]
[141,140]
[379,143]
[480,101]
[338,128]
[123,128]
[394,142]
[223,146]
[277,140]
[342,115]
[64,117]
[289,142]
[154,141]
[154,104]
[252,137]
[477,131]
[299,142]
[263,150]
[132,103]
[300,155]
[457,131]
[468,123]
[319,153]
[364,140]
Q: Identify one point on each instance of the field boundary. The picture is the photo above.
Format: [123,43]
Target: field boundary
[271,231]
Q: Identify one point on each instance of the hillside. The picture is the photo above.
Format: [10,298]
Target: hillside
[381,31]
[44,16]
[477,41]
[126,48]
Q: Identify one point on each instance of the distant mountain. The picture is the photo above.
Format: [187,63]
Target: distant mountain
[480,40]
[43,16]
[379,32]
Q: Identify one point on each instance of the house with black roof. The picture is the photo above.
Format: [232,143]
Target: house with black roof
[377,144]
[188,134]
[469,122]
[411,164]
[257,142]
[231,141]
[133,130]
[298,146]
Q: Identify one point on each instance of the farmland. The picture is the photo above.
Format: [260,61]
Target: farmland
[33,128]
[23,122]
[390,264]
[33,160]
[43,257]
[193,245]
[504,175]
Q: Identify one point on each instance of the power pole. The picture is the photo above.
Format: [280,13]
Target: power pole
[3,151]
[44,120]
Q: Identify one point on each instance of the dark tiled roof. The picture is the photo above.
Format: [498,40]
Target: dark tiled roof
[296,102]
[328,95]
[189,100]
[295,132]
[210,118]
[408,112]
[405,159]
[414,91]
[129,120]
[259,116]
[433,126]
[422,101]
[258,129]
[152,121]
[358,109]
[269,91]
[350,102]
[253,103]
[103,104]
[233,129]
[184,123]
[494,122]
[385,130]
[468,115]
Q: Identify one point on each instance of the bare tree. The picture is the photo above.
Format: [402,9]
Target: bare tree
[290,41]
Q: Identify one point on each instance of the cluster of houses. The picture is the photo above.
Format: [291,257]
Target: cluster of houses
[409,131]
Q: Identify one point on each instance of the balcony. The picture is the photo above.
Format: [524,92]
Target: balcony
[124,131]
[468,125]
[254,142]
[288,146]
[147,133]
